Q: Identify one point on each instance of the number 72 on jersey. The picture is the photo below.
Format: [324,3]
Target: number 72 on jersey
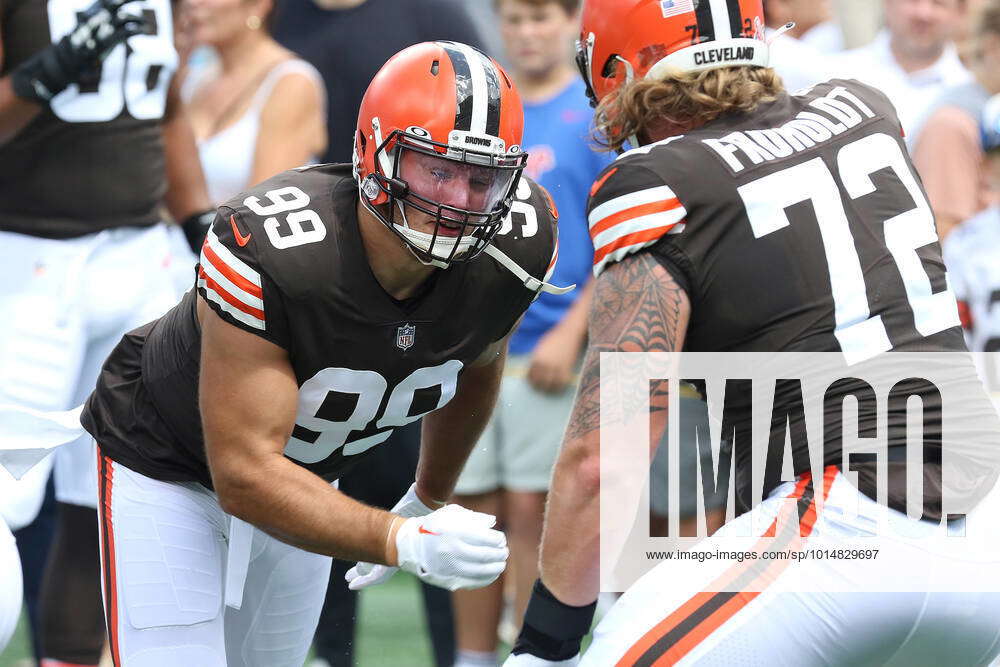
[861,335]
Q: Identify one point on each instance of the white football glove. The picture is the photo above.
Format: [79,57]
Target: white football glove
[452,548]
[528,660]
[369,574]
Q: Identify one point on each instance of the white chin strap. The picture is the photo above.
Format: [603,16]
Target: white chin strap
[423,241]
[443,245]
[528,280]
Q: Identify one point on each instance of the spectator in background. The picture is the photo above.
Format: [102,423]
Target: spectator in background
[948,153]
[508,472]
[972,251]
[965,40]
[799,64]
[827,36]
[349,40]
[806,14]
[482,15]
[913,59]
[257,110]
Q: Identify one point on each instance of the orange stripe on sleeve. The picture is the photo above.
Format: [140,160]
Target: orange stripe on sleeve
[631,239]
[634,212]
[231,274]
[229,298]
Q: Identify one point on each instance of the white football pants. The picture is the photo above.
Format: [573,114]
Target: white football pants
[10,585]
[676,613]
[64,305]
[164,553]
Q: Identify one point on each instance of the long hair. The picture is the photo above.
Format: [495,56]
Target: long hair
[682,101]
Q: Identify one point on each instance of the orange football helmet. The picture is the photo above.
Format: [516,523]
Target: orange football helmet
[439,130]
[621,40]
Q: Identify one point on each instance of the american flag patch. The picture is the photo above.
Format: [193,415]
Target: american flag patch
[675,7]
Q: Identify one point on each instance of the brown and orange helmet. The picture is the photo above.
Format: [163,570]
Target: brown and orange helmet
[621,40]
[438,111]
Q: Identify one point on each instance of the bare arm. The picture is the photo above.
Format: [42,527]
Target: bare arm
[637,307]
[554,359]
[15,113]
[449,434]
[248,397]
[292,128]
[949,158]
[186,193]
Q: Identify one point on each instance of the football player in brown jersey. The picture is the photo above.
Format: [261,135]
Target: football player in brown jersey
[706,239]
[334,303]
[93,142]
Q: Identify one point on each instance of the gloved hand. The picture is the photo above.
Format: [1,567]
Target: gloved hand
[452,548]
[369,574]
[100,28]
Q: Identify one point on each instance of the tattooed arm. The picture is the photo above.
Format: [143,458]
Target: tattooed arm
[637,307]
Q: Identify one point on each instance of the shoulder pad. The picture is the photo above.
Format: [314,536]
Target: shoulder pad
[229,275]
[529,234]
[265,238]
[630,208]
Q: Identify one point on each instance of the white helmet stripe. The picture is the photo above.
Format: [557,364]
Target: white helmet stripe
[720,19]
[477,77]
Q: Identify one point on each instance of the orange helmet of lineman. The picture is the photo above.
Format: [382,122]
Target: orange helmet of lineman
[622,40]
[439,131]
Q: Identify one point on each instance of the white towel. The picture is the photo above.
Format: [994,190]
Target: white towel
[27,436]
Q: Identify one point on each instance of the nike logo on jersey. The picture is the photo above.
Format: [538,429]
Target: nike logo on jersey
[240,239]
[424,531]
[601,181]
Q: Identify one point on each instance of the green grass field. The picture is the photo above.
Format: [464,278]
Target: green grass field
[391,633]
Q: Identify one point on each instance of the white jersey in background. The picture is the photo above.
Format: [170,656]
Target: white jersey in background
[912,93]
[972,254]
[799,64]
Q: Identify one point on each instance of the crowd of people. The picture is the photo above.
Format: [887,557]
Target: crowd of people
[239,221]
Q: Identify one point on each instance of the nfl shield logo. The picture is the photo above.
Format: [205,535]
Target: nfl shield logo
[405,335]
[674,7]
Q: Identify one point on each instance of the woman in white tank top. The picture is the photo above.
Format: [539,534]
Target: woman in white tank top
[256,110]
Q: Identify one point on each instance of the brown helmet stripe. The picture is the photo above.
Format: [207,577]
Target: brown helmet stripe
[477,89]
[735,17]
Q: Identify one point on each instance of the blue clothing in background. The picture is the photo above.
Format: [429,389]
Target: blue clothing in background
[561,158]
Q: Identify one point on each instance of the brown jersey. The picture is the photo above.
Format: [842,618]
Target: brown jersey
[805,228]
[799,227]
[94,159]
[285,261]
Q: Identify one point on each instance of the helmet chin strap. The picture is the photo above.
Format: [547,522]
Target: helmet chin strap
[425,242]
[530,282]
[405,229]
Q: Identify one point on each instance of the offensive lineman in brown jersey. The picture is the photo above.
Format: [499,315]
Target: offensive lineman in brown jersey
[333,305]
[747,219]
[93,142]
